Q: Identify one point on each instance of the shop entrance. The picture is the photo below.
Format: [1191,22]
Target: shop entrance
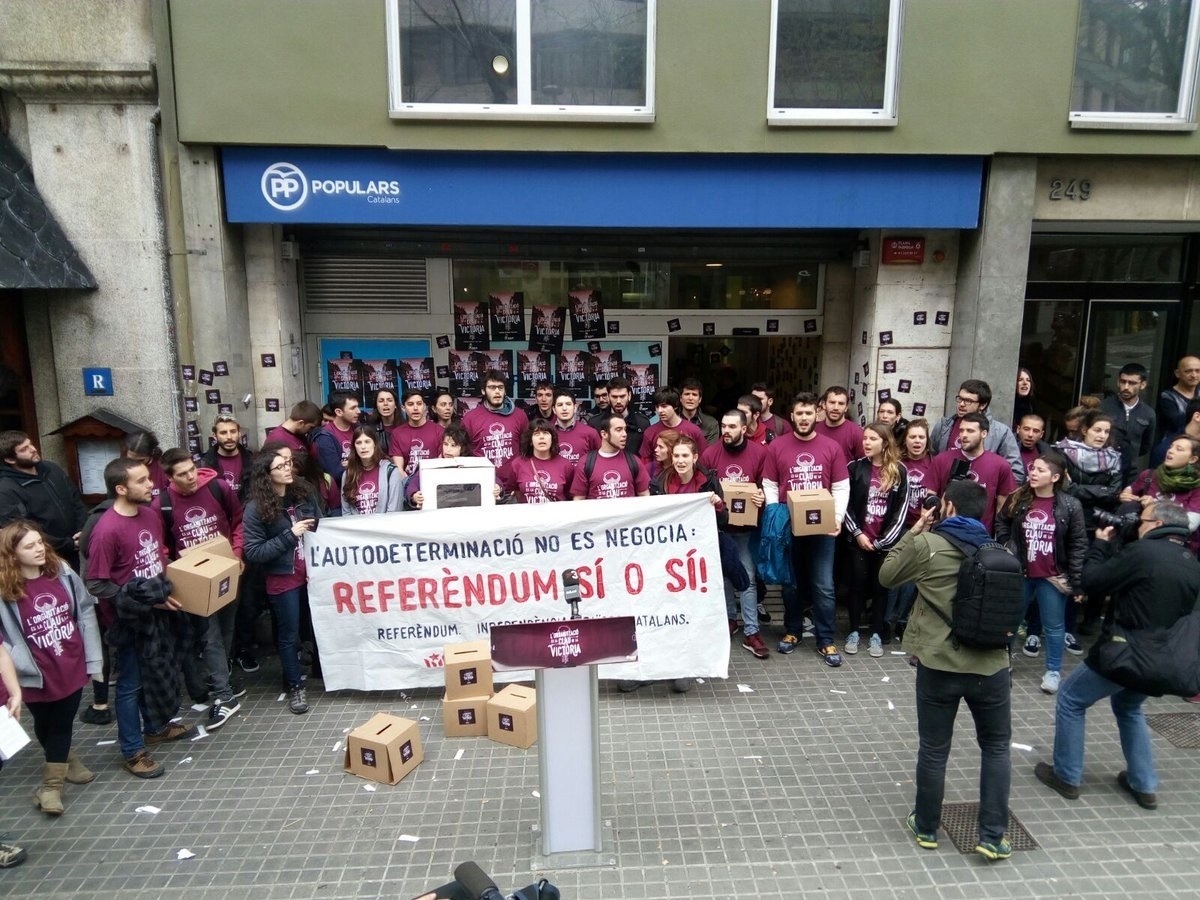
[727,366]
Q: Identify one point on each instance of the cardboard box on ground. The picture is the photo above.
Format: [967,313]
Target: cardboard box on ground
[512,716]
[468,669]
[385,749]
[811,512]
[205,577]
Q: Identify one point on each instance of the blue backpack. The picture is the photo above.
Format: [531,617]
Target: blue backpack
[773,549]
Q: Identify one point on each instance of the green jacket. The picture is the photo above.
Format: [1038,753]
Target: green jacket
[932,562]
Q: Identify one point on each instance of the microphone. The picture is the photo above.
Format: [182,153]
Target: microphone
[570,583]
[476,882]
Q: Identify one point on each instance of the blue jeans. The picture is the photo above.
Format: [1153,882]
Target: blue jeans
[1084,687]
[938,696]
[749,596]
[1052,608]
[131,710]
[812,564]
[287,633]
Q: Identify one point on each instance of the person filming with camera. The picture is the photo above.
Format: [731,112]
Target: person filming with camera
[1153,582]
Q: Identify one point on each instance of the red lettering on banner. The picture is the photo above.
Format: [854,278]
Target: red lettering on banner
[387,594]
[364,597]
[406,594]
[342,597]
[427,592]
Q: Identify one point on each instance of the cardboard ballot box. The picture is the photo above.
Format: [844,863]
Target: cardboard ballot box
[469,669]
[465,716]
[204,580]
[512,716]
[385,749]
[811,512]
[218,546]
[738,494]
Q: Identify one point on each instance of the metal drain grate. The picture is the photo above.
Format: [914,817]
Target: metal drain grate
[1181,729]
[961,822]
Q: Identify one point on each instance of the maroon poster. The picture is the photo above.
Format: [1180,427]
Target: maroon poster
[377,375]
[470,325]
[606,364]
[547,329]
[464,373]
[346,375]
[508,316]
[557,645]
[417,375]
[587,314]
[643,383]
[574,371]
[532,366]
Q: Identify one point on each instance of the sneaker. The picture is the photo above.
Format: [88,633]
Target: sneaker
[754,643]
[733,627]
[1050,682]
[1072,646]
[1046,775]
[925,839]
[764,617]
[1002,849]
[875,647]
[239,690]
[830,654]
[1033,646]
[247,662]
[1144,799]
[788,645]
[93,716]
[10,854]
[297,702]
[807,628]
[1195,699]
[173,732]
[222,711]
[851,646]
[141,765]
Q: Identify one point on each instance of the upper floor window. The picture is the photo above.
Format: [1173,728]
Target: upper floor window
[591,60]
[834,62]
[1135,64]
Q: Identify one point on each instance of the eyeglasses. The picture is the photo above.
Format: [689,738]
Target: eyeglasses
[281,466]
[966,401]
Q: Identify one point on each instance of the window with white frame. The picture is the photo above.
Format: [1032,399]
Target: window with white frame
[834,62]
[1135,64]
[590,60]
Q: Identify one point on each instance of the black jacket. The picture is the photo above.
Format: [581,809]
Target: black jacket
[209,460]
[1070,535]
[272,545]
[892,525]
[635,425]
[48,499]
[1152,582]
[1133,432]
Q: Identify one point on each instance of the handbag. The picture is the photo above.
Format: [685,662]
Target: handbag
[1153,661]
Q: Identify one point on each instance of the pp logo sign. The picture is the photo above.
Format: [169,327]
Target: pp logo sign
[284,186]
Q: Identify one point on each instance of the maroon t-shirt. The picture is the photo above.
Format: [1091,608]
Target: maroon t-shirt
[125,547]
[576,442]
[1039,539]
[197,517]
[416,444]
[922,480]
[952,442]
[848,436]
[1028,456]
[646,450]
[53,638]
[495,436]
[991,470]
[158,476]
[230,469]
[366,498]
[797,465]
[343,439]
[877,501]
[610,478]
[278,584]
[1146,485]
[538,480]
[743,465]
[279,433]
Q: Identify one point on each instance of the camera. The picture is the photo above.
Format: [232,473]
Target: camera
[1121,521]
[934,502]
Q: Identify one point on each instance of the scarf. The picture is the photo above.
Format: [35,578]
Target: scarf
[1093,460]
[1177,481]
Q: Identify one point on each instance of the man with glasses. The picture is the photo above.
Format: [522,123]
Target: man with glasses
[495,425]
[974,396]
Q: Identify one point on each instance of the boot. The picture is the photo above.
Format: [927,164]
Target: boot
[77,772]
[48,797]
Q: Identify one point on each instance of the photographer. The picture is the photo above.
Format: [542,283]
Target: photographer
[1152,582]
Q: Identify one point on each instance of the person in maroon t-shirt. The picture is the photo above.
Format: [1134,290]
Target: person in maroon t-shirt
[668,406]
[614,471]
[495,425]
[143,447]
[539,474]
[295,429]
[227,457]
[1044,526]
[970,460]
[49,619]
[757,430]
[418,438]
[575,437]
[839,429]
[331,442]
[373,483]
[1030,430]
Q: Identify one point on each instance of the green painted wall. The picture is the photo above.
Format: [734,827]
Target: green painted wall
[976,77]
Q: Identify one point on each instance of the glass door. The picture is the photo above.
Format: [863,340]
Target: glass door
[1121,332]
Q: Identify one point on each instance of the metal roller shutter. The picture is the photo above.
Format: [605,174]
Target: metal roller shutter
[333,284]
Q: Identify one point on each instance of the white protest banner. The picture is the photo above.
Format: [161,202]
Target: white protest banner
[388,592]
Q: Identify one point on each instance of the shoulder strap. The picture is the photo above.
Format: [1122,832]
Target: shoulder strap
[589,464]
[968,550]
[633,463]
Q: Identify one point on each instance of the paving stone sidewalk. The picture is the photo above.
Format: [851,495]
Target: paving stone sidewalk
[799,788]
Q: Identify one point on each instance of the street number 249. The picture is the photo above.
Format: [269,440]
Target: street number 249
[1072,189]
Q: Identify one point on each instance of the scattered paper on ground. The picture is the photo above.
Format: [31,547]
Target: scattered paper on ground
[337,746]
[899,653]
[200,733]
[279,699]
[459,754]
[836,691]
[153,810]
[537,793]
[345,731]
[184,854]
[1024,747]
[199,707]
[745,689]
[369,787]
[891,705]
[411,838]
[424,718]
[751,757]
[886,678]
[313,772]
[104,743]
[184,761]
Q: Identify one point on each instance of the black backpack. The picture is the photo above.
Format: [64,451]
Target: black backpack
[589,464]
[85,533]
[989,603]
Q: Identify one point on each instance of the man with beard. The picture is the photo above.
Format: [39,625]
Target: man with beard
[972,462]
[691,393]
[636,424]
[495,425]
[799,461]
[839,429]
[227,457]
[417,438]
[575,437]
[975,396]
[735,458]
[1133,420]
[611,471]
[39,491]
[332,442]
